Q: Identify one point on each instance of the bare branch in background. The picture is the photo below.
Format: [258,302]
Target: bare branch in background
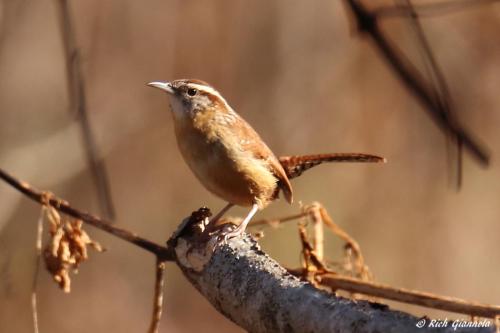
[53,204]
[435,102]
[158,296]
[437,81]
[64,207]
[38,258]
[254,291]
[78,103]
[431,9]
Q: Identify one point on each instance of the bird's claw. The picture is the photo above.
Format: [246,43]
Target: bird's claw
[226,235]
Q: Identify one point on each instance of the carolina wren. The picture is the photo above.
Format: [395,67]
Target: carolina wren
[226,154]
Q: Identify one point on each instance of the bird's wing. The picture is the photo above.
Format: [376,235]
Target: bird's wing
[254,144]
[284,182]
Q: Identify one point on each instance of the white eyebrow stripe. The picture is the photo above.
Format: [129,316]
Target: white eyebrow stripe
[210,90]
[204,88]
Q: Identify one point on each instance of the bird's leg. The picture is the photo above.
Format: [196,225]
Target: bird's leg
[241,228]
[212,224]
[224,210]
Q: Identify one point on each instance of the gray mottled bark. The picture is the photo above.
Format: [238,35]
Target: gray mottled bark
[255,292]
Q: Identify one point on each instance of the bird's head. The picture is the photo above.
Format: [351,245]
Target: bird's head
[190,96]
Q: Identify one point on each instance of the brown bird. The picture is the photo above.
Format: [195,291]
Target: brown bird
[226,154]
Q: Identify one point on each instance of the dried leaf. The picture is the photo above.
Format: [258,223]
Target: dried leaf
[67,247]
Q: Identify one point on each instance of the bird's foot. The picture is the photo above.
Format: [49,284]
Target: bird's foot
[228,233]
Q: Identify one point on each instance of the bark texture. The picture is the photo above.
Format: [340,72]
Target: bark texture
[255,292]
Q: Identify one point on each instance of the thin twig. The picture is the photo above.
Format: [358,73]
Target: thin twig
[158,296]
[409,296]
[278,220]
[431,9]
[360,268]
[318,235]
[36,195]
[78,102]
[415,82]
[164,254]
[437,81]
[38,257]
[318,273]
[311,260]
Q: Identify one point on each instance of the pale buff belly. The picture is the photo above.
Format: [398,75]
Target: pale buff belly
[233,175]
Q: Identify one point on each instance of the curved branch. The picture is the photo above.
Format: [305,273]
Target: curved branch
[78,100]
[255,292]
[246,285]
[412,78]
[161,252]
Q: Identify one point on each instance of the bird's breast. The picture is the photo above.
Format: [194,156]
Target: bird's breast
[216,157]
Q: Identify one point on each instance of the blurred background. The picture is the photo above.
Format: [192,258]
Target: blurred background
[300,74]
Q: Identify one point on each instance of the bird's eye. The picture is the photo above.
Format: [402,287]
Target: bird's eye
[192,92]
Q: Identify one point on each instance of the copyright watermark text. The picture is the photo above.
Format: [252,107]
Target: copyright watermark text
[456,324]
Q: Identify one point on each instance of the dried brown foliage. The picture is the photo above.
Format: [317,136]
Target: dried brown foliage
[67,247]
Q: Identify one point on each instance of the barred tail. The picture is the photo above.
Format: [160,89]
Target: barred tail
[295,165]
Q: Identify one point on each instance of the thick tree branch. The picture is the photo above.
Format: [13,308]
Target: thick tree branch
[255,292]
[250,288]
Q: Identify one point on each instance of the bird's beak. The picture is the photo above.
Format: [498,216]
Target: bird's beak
[166,86]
